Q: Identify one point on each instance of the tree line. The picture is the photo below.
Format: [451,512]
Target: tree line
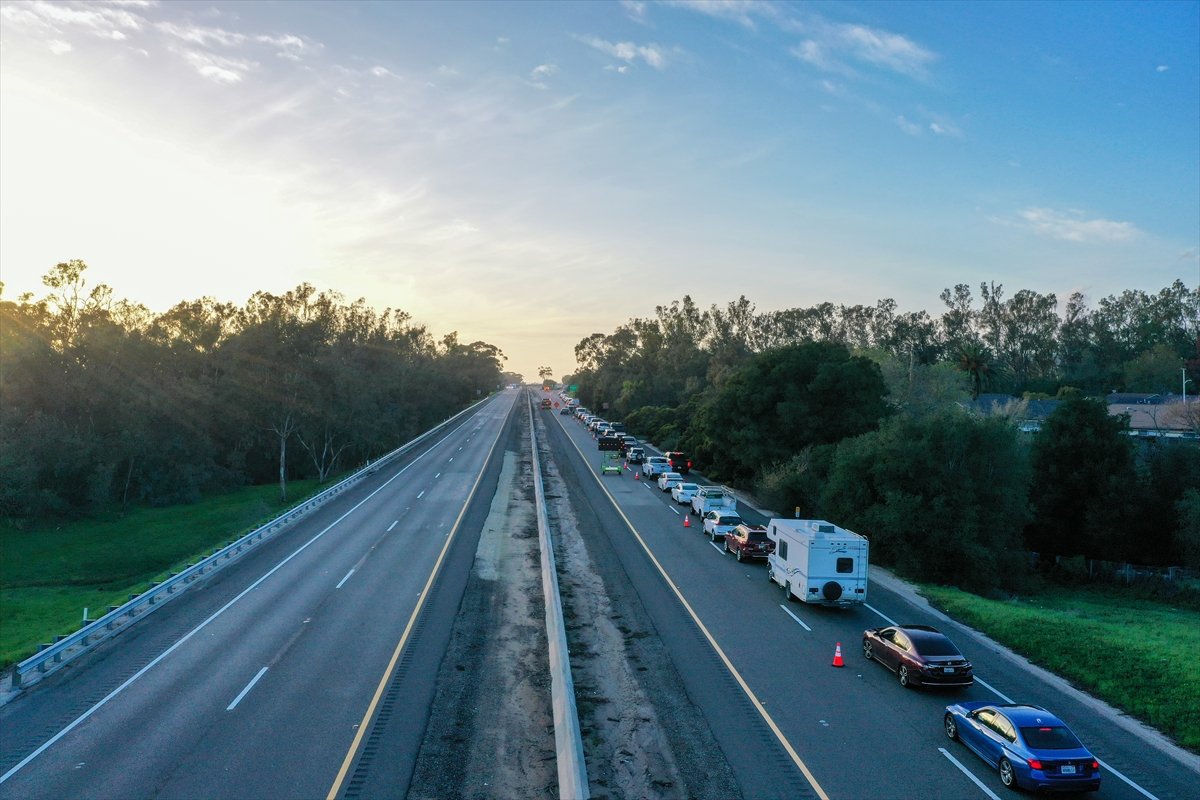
[104,404]
[861,415]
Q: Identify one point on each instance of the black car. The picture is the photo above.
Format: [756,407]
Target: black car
[919,655]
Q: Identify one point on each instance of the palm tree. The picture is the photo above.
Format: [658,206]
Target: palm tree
[976,360]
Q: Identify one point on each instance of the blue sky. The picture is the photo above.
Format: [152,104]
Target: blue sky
[531,173]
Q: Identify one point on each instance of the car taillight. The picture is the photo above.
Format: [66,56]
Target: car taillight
[689,463]
[1095,765]
[1035,764]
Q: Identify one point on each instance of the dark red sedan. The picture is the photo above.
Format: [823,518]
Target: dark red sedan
[919,655]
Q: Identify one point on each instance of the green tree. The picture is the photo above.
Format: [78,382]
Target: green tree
[783,401]
[1083,482]
[942,499]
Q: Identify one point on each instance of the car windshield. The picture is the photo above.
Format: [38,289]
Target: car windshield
[729,521]
[935,646]
[1050,737]
[757,536]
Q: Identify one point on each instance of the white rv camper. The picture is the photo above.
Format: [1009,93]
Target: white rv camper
[817,562]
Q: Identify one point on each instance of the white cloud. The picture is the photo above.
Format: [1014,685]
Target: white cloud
[201,35]
[1071,226]
[739,11]
[911,128]
[58,47]
[382,72]
[289,46]
[218,68]
[628,51]
[841,48]
[1161,68]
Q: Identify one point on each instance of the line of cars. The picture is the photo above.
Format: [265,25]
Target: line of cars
[1029,747]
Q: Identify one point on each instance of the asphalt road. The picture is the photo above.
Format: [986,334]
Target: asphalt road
[856,730]
[256,684]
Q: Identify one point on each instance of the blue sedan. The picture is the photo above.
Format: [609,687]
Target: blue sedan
[1032,748]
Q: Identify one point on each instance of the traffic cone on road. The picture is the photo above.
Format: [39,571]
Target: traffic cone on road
[637,475]
[837,656]
[687,521]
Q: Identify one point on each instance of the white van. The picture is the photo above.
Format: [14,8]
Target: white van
[817,562]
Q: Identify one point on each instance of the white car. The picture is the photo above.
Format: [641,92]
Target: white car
[669,480]
[655,465]
[684,492]
[719,523]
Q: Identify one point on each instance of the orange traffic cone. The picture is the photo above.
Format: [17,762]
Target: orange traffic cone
[837,656]
[637,475]
[627,466]
[687,521]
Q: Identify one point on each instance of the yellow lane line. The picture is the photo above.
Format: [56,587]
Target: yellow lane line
[387,673]
[791,751]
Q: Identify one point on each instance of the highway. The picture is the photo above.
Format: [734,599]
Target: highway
[257,683]
[309,668]
[855,730]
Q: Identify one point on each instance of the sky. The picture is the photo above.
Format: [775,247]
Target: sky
[528,174]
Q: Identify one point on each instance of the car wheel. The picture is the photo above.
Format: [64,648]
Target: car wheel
[868,653]
[739,553]
[727,550]
[1007,776]
[902,674]
[951,727]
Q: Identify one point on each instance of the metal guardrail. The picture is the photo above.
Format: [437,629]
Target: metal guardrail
[68,647]
[568,741]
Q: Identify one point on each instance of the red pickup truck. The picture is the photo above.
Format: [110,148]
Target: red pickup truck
[749,541]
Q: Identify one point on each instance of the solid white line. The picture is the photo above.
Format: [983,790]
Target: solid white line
[1122,777]
[249,686]
[422,494]
[392,526]
[85,715]
[967,772]
[880,613]
[343,580]
[793,616]
[996,691]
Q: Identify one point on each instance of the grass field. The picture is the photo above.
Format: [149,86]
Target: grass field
[1137,655]
[49,575]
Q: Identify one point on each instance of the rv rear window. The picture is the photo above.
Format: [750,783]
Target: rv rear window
[845,565]
[783,549]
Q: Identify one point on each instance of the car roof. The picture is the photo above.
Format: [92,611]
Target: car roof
[1026,715]
[657,458]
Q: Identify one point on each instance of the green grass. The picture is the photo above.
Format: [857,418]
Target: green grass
[49,575]
[1138,655]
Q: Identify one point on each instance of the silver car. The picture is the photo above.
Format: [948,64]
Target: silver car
[669,480]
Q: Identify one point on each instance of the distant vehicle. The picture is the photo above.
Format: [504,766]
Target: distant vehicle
[749,541]
[545,402]
[669,480]
[719,523]
[654,466]
[817,562]
[713,498]
[684,492]
[679,461]
[618,427]
[565,411]
[635,455]
[594,423]
[627,441]
[1031,748]
[919,655]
